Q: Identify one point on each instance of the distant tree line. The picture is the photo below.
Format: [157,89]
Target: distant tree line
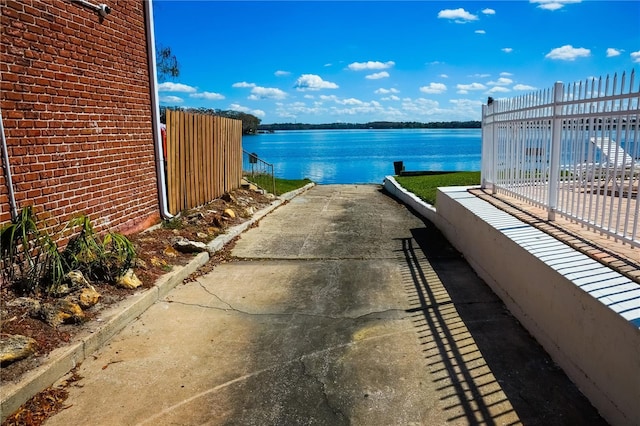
[250,122]
[372,125]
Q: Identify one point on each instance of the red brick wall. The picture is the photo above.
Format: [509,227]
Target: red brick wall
[76,108]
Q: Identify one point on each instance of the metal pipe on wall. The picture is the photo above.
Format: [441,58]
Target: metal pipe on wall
[155,110]
[101,8]
[7,172]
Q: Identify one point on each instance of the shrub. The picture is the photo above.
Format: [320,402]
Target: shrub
[33,263]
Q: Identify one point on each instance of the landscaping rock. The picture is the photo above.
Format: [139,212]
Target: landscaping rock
[86,297]
[62,311]
[228,197]
[229,213]
[187,246]
[129,280]
[170,252]
[16,347]
[73,281]
[27,303]
[159,263]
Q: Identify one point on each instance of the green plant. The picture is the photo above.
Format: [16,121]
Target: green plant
[30,258]
[32,261]
[117,256]
[53,269]
[18,251]
[83,250]
[98,259]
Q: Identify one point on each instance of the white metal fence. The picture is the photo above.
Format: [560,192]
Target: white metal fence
[573,149]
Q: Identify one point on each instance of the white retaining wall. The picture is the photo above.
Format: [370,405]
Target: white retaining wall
[586,316]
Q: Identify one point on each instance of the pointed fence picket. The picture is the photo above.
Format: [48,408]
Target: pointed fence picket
[548,148]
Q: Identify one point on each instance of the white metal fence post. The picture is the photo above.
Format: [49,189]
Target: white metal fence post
[485,149]
[556,140]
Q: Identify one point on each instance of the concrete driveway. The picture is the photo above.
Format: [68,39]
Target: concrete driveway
[341,307]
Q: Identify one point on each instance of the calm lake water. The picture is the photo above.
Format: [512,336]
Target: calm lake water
[365,156]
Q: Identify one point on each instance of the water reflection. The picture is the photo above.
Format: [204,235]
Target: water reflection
[365,156]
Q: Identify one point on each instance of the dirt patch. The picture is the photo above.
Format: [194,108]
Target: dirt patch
[155,257]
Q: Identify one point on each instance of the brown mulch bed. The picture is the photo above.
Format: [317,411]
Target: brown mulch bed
[155,258]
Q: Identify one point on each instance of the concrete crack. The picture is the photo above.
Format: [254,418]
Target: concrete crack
[206,290]
[323,389]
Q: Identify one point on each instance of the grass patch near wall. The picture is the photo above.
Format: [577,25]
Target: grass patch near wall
[287,185]
[425,186]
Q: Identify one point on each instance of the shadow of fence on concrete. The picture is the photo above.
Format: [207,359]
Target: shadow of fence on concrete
[488,369]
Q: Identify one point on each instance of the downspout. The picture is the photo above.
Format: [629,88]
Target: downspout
[155,109]
[7,172]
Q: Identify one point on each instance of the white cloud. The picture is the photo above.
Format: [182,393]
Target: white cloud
[280,73]
[497,89]
[434,88]
[175,87]
[243,84]
[568,53]
[502,81]
[258,93]
[377,76]
[506,74]
[313,82]
[523,87]
[553,4]
[472,86]
[256,112]
[488,11]
[635,56]
[210,96]
[507,49]
[171,99]
[611,52]
[466,107]
[420,106]
[382,91]
[464,89]
[351,101]
[390,98]
[480,31]
[371,65]
[460,16]
[444,76]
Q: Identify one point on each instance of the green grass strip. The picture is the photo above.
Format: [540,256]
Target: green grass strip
[425,186]
[287,185]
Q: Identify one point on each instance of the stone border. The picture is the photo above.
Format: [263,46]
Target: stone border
[114,318]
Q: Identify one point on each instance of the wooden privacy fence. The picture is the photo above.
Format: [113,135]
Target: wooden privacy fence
[203,158]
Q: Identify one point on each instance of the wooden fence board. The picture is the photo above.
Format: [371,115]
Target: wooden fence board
[204,158]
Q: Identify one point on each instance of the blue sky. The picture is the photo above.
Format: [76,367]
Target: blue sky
[361,61]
